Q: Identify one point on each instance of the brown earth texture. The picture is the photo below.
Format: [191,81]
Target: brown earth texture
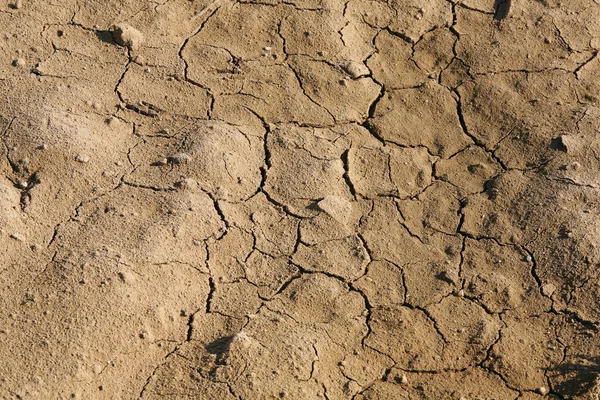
[300,199]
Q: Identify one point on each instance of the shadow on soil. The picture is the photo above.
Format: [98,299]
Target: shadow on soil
[578,378]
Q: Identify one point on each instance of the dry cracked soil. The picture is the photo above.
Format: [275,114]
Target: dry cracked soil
[300,199]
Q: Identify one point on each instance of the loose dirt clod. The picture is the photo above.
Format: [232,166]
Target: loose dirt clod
[355,69]
[179,158]
[548,289]
[18,62]
[128,36]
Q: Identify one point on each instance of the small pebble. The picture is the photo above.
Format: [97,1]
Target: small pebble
[432,75]
[17,237]
[43,146]
[403,379]
[82,158]
[267,48]
[23,184]
[19,4]
[19,62]
[147,69]
[542,390]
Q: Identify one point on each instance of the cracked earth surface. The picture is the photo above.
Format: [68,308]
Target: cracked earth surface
[300,199]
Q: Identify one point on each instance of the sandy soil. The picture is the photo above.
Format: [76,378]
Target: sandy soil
[299,199]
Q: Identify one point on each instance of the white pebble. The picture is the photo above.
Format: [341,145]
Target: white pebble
[542,390]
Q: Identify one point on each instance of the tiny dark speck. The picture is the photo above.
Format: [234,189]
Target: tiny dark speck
[502,9]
